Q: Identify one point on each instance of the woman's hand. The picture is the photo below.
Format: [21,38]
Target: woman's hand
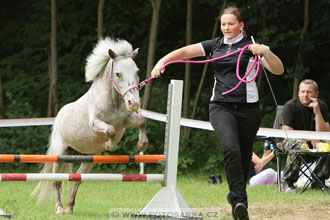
[155,73]
[258,49]
[270,61]
[267,152]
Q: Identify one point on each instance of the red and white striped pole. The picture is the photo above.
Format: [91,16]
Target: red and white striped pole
[81,177]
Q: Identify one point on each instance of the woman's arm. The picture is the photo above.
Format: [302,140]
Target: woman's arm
[183,53]
[270,61]
[261,162]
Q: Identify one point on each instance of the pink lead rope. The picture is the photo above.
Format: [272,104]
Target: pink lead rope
[256,59]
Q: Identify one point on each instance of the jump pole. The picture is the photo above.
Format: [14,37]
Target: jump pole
[168,202]
[81,177]
[26,158]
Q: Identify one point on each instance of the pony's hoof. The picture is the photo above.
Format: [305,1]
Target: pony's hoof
[111,147]
[59,210]
[142,146]
[110,132]
[69,210]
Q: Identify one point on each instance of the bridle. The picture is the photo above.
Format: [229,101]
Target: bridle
[122,94]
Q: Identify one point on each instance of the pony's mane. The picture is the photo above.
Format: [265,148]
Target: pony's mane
[99,57]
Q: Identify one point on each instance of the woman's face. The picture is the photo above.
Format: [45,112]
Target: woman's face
[230,26]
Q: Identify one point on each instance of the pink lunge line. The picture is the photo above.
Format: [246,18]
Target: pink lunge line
[256,59]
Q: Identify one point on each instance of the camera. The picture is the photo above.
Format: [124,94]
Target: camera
[269,145]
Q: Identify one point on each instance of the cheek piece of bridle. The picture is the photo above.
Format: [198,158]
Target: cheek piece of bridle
[122,94]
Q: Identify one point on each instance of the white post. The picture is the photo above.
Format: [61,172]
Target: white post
[141,165]
[172,132]
[5,215]
[168,202]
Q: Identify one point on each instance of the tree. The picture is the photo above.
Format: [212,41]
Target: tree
[100,19]
[201,81]
[53,102]
[299,68]
[2,103]
[151,50]
[187,76]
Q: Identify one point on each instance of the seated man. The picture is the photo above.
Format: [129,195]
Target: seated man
[306,112]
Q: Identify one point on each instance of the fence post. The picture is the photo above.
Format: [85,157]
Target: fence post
[168,202]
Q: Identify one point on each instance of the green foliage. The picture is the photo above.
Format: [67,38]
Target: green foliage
[203,152]
[23,140]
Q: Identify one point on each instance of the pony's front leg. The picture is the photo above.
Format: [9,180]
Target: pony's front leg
[99,126]
[143,142]
[137,119]
[111,145]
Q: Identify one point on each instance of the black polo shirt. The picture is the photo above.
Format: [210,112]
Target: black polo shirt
[300,117]
[225,71]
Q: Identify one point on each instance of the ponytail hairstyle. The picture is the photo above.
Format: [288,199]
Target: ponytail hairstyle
[234,11]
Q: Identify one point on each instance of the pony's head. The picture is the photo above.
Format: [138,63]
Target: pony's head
[115,58]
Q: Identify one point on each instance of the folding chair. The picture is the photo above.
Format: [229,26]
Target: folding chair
[279,155]
[311,176]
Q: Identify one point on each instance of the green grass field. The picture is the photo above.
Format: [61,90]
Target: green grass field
[104,200]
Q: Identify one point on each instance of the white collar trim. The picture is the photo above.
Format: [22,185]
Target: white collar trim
[234,40]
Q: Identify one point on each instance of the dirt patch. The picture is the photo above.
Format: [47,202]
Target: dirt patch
[282,212]
[258,211]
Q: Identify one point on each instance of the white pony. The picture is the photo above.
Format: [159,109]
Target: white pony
[97,121]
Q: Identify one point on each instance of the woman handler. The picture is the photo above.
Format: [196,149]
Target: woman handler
[235,116]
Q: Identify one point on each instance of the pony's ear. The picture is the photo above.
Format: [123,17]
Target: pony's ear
[112,54]
[135,52]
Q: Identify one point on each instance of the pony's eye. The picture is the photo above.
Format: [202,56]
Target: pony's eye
[118,75]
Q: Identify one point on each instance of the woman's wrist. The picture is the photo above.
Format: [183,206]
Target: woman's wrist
[264,50]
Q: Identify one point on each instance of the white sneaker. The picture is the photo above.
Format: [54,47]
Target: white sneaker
[289,188]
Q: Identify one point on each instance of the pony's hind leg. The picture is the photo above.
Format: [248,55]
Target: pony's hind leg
[57,189]
[58,204]
[84,168]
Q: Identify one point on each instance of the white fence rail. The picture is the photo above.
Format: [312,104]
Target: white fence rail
[268,132]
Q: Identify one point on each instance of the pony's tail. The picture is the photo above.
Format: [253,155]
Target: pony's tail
[45,188]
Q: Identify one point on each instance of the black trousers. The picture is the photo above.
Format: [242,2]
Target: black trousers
[236,126]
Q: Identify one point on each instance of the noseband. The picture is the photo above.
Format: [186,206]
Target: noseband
[122,94]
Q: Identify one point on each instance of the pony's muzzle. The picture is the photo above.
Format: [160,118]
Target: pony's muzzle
[132,105]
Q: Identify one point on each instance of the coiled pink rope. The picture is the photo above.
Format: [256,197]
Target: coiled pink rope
[256,59]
